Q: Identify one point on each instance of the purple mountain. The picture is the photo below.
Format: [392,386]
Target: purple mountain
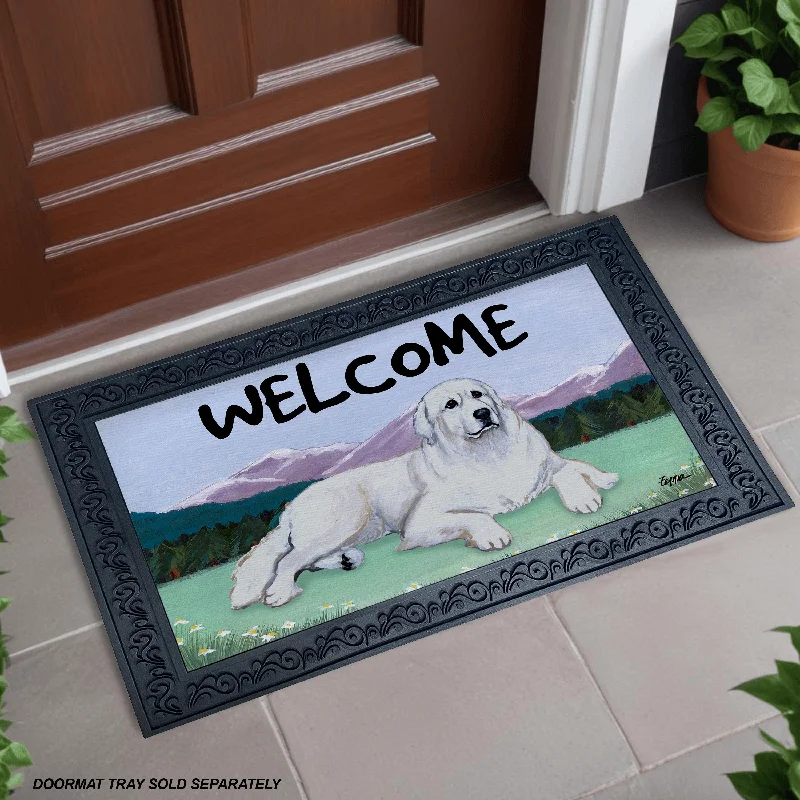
[282,467]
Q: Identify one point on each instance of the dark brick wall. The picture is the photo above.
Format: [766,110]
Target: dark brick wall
[679,149]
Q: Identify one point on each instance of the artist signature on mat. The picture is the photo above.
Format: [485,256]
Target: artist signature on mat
[672,479]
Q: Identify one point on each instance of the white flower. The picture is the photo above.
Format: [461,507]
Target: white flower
[179,641]
[652,494]
[710,482]
[181,621]
[268,637]
[465,569]
[204,651]
[326,606]
[573,533]
[195,628]
[515,553]
[287,626]
[636,509]
[699,463]
[253,632]
[684,466]
[413,587]
[552,538]
[223,633]
[683,492]
[348,604]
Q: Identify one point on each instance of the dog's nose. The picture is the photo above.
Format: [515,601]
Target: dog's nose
[483,414]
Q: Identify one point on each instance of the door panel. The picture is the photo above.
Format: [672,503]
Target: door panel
[289,32]
[155,144]
[89,61]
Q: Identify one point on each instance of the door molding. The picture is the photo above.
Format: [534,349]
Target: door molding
[599,85]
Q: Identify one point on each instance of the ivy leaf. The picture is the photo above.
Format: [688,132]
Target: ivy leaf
[793,32]
[4,520]
[712,69]
[749,786]
[706,51]
[15,781]
[5,602]
[729,53]
[771,768]
[787,754]
[781,100]
[789,674]
[794,778]
[794,633]
[758,81]
[717,114]
[735,18]
[705,30]
[16,755]
[767,688]
[789,10]
[751,132]
[12,428]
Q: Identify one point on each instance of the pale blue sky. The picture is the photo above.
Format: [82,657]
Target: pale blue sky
[162,453]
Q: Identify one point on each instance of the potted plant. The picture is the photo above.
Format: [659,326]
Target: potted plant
[777,771]
[749,104]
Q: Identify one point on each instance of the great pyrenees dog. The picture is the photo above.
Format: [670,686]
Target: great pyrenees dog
[477,458]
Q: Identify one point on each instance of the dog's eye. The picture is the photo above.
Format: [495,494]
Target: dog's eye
[477,394]
[450,404]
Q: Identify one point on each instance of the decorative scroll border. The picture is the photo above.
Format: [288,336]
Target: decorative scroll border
[164,694]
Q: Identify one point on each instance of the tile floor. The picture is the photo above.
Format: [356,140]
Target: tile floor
[614,688]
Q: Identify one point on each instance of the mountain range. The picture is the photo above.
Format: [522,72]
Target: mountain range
[286,466]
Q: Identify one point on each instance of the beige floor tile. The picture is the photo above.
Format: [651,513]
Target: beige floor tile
[499,707]
[666,638]
[739,300]
[700,774]
[784,442]
[70,708]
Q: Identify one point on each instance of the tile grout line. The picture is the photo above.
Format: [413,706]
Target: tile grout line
[784,472]
[770,425]
[67,635]
[585,664]
[276,729]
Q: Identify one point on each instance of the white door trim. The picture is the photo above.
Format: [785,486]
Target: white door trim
[5,388]
[599,85]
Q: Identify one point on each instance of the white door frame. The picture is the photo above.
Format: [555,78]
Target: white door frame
[599,85]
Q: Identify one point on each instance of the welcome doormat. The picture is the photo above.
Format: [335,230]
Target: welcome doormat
[267,508]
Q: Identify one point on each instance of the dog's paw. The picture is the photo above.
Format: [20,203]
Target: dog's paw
[281,594]
[583,501]
[604,480]
[494,540]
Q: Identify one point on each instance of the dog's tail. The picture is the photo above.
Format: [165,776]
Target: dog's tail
[255,570]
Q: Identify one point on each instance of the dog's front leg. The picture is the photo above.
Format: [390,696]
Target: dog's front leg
[577,484]
[428,525]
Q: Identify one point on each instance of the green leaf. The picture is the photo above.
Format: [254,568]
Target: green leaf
[734,17]
[15,781]
[789,10]
[12,428]
[771,768]
[758,81]
[705,30]
[794,727]
[749,786]
[789,673]
[793,32]
[729,53]
[717,114]
[767,688]
[751,132]
[712,69]
[794,778]
[4,520]
[781,100]
[5,602]
[16,755]
[711,50]
[5,724]
[786,753]
[792,630]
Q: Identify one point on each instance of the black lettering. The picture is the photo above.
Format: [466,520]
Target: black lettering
[496,328]
[440,340]
[252,417]
[274,401]
[361,388]
[315,405]
[411,347]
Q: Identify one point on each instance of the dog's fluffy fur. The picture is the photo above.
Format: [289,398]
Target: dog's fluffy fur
[477,458]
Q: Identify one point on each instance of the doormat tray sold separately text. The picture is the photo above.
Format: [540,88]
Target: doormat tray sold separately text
[270,507]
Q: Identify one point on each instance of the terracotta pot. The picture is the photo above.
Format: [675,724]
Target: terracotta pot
[756,195]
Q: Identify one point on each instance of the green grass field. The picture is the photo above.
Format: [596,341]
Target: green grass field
[641,455]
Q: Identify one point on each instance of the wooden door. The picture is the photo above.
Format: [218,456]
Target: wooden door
[149,145]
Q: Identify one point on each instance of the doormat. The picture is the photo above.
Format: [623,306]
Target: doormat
[261,510]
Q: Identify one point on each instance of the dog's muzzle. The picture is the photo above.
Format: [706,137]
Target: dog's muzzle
[484,416]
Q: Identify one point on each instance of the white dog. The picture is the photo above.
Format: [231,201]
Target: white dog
[478,458]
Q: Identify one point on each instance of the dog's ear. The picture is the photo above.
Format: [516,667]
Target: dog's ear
[423,426]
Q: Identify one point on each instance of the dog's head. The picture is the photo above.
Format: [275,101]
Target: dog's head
[459,410]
